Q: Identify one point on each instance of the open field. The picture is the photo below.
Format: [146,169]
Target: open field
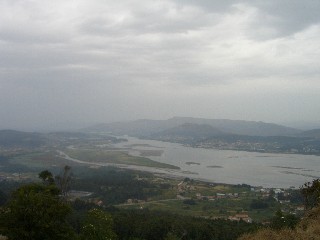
[222,208]
[208,209]
[200,199]
[40,160]
[115,157]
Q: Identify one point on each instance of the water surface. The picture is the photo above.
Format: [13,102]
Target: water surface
[233,167]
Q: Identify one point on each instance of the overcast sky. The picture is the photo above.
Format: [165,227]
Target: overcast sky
[87,61]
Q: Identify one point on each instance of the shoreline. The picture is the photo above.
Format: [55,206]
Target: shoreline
[167,173]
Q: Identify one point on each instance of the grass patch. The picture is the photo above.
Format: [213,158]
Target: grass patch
[115,157]
[40,160]
[211,209]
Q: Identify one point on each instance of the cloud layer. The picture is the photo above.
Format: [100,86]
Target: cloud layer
[100,61]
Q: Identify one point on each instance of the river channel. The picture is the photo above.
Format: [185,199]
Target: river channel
[232,167]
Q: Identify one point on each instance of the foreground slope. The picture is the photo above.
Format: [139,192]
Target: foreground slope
[308,228]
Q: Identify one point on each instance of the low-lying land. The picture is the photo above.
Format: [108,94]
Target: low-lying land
[114,157]
[158,201]
[129,189]
[144,204]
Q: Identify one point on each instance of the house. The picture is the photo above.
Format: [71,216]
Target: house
[182,197]
[199,196]
[301,208]
[241,217]
[277,191]
[220,195]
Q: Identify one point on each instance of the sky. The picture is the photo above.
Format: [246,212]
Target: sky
[73,63]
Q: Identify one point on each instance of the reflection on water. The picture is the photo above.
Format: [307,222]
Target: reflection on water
[226,166]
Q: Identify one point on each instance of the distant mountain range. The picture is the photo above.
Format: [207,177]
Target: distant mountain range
[182,125]
[196,132]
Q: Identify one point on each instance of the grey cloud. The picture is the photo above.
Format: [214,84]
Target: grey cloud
[181,20]
[293,15]
[286,17]
[103,61]
[210,5]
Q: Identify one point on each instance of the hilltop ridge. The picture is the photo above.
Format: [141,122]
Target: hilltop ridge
[147,127]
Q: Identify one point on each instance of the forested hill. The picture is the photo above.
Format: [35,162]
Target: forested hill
[145,127]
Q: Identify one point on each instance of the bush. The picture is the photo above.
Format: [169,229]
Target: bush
[189,202]
[258,204]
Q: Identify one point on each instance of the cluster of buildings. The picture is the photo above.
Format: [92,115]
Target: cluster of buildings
[199,196]
[237,145]
[241,217]
[302,148]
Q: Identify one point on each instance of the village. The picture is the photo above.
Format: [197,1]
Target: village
[222,201]
[267,146]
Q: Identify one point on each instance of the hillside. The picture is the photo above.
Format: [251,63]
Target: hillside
[314,133]
[12,139]
[240,127]
[308,228]
[138,128]
[189,131]
[145,127]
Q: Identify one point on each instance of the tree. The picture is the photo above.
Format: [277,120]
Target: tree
[47,177]
[97,226]
[63,181]
[189,202]
[311,193]
[281,220]
[171,236]
[3,198]
[258,204]
[36,212]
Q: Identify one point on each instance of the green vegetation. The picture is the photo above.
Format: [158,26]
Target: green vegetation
[3,198]
[308,228]
[153,225]
[115,157]
[288,226]
[97,225]
[284,220]
[36,212]
[222,208]
[126,204]
[36,161]
[39,211]
[115,186]
[210,201]
[133,205]
[311,193]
